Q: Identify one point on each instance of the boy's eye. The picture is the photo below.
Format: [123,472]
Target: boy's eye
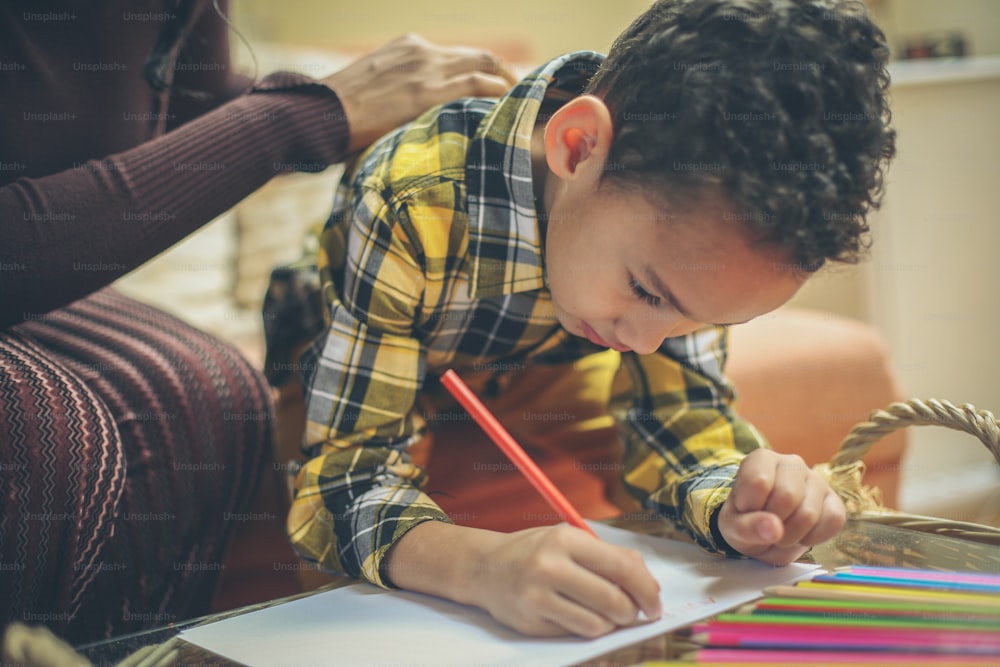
[642,294]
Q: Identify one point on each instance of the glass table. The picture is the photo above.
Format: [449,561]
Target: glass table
[860,543]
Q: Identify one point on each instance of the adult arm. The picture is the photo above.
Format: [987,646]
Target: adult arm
[71,233]
[74,232]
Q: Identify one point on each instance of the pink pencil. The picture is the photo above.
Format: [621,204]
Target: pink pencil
[514,452]
[874,638]
[758,656]
[924,575]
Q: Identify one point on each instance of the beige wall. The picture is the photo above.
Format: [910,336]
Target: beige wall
[935,277]
[538,29]
[521,30]
[979,20]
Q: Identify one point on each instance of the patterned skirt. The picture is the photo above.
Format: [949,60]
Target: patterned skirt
[128,440]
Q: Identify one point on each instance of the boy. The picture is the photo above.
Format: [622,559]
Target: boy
[643,203]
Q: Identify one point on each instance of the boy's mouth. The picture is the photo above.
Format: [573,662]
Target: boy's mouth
[592,336]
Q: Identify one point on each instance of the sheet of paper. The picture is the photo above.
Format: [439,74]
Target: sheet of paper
[365,625]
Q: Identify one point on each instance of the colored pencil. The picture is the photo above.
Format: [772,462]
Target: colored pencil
[772,635]
[968,597]
[856,658]
[863,608]
[883,594]
[767,623]
[514,452]
[856,616]
[873,611]
[912,574]
[975,637]
[852,620]
[900,582]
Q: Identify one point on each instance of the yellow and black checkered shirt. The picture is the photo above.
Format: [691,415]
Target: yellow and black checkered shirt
[432,260]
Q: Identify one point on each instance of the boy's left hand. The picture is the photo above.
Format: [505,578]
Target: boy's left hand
[778,508]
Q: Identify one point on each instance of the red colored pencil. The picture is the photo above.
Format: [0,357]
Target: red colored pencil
[514,452]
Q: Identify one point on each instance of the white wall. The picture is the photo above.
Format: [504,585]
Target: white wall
[935,272]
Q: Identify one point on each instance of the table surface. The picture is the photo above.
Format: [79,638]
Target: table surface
[861,542]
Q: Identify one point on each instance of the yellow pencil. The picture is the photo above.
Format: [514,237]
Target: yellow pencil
[822,591]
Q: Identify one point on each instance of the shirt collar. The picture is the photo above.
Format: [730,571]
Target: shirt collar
[505,244]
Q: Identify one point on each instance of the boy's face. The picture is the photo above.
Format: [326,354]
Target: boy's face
[625,275]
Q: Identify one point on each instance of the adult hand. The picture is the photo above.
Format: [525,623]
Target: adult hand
[778,508]
[397,82]
[559,580]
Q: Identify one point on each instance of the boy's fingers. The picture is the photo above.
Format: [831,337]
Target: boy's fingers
[645,591]
[752,533]
[578,619]
[831,521]
[781,556]
[763,533]
[754,482]
[601,599]
[790,489]
[537,626]
[807,513]
[634,579]
[617,584]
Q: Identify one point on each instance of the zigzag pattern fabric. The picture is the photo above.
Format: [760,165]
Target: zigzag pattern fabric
[129,444]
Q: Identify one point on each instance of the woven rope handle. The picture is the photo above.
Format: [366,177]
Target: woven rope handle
[845,468]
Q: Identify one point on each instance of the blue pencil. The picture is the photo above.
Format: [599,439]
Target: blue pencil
[923,574]
[850,577]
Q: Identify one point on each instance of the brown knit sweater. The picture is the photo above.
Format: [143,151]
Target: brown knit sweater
[98,173]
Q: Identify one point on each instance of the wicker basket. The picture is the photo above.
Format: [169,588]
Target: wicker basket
[844,471]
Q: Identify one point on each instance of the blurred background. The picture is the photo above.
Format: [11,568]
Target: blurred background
[534,30]
[931,285]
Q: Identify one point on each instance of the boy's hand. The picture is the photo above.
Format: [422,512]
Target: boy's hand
[550,581]
[559,580]
[779,508]
[395,83]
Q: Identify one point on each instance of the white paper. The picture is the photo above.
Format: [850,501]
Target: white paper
[366,625]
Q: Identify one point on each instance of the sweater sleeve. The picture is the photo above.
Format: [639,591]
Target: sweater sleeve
[71,233]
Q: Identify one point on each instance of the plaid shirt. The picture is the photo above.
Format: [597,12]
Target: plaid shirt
[432,260]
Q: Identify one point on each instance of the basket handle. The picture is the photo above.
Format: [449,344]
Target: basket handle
[845,468]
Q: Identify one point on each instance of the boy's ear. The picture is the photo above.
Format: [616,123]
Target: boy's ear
[579,133]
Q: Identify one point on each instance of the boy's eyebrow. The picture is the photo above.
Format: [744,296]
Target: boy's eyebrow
[668,296]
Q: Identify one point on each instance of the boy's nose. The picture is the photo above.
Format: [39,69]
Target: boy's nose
[643,336]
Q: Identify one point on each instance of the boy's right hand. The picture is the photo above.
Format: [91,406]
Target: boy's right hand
[559,580]
[551,581]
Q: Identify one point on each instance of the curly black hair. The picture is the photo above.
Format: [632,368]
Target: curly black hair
[781,103]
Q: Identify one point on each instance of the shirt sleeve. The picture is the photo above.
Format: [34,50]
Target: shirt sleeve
[360,491]
[683,442]
[129,207]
